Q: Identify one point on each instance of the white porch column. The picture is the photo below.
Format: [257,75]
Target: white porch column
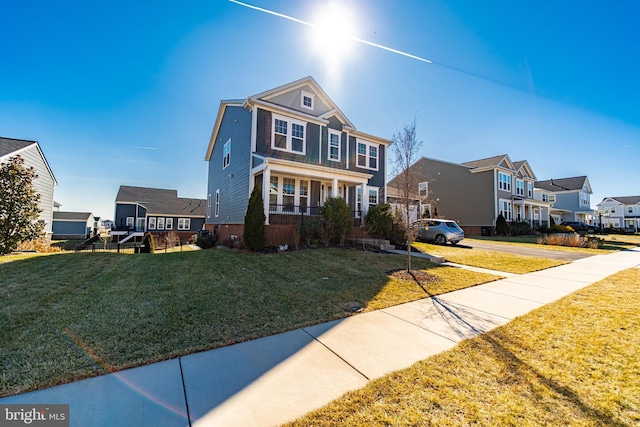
[334,188]
[266,188]
[365,200]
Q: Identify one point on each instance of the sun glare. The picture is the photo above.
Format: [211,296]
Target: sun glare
[333,32]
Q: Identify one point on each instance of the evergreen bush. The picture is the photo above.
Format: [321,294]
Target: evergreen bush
[502,228]
[337,215]
[254,235]
[379,221]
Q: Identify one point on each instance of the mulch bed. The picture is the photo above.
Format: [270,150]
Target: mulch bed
[416,275]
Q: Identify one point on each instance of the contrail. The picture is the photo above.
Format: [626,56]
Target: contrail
[309,24]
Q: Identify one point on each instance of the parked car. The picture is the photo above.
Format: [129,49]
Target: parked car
[439,231]
[581,227]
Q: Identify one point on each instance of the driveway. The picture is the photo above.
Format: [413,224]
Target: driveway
[526,251]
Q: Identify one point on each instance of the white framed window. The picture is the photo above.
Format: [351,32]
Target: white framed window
[552,198]
[423,189]
[630,209]
[184,223]
[303,195]
[505,209]
[504,181]
[334,146]
[367,155]
[519,187]
[160,223]
[129,221]
[288,194]
[169,225]
[209,206]
[152,223]
[217,206]
[358,200]
[307,100]
[226,154]
[288,134]
[545,197]
[530,190]
[373,196]
[584,199]
[613,210]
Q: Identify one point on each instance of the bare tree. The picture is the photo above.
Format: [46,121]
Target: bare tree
[405,147]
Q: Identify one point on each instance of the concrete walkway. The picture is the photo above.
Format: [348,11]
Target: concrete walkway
[276,379]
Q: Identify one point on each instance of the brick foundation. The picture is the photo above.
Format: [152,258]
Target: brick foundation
[277,234]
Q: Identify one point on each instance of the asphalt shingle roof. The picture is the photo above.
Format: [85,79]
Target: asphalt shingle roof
[627,200]
[562,184]
[9,145]
[486,163]
[161,201]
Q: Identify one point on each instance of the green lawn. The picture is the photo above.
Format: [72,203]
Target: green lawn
[573,362]
[73,315]
[612,242]
[499,261]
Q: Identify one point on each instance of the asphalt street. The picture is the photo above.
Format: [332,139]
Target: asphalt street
[526,251]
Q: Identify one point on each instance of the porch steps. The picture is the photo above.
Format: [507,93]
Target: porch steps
[136,234]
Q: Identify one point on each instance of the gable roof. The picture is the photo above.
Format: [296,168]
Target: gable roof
[524,168]
[564,184]
[11,146]
[625,200]
[502,161]
[72,216]
[158,201]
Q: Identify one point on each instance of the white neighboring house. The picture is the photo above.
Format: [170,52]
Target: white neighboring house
[44,184]
[619,212]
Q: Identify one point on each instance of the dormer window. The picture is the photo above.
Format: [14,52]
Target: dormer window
[306,100]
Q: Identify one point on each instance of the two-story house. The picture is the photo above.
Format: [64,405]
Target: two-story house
[157,210]
[570,198]
[44,184]
[619,212]
[474,193]
[297,146]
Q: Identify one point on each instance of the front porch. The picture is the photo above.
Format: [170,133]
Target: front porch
[534,213]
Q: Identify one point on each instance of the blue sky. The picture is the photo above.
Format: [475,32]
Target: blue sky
[126,93]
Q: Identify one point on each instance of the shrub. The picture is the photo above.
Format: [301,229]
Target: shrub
[148,243]
[398,233]
[502,228]
[520,228]
[206,240]
[307,231]
[325,232]
[379,221]
[556,228]
[571,240]
[336,214]
[254,235]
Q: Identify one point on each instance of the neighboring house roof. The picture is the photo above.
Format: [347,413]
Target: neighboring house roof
[159,201]
[10,147]
[502,160]
[72,216]
[564,184]
[625,200]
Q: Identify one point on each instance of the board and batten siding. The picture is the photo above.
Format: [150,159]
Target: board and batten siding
[232,181]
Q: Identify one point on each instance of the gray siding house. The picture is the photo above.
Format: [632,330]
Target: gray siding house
[296,145]
[570,198]
[73,225]
[474,193]
[160,211]
[619,212]
[44,184]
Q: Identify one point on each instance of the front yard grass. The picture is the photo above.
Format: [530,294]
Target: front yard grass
[493,260]
[611,242]
[74,315]
[573,362]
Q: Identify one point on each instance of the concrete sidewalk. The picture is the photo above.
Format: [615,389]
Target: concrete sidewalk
[276,379]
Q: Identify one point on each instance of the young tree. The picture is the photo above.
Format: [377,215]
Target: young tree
[254,235]
[18,205]
[404,150]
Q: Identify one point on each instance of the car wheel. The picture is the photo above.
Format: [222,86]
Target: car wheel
[440,239]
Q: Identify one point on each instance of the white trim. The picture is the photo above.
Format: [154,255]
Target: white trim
[304,94]
[334,132]
[217,204]
[367,155]
[151,223]
[226,158]
[169,223]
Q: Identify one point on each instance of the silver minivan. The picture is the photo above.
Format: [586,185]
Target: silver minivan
[439,231]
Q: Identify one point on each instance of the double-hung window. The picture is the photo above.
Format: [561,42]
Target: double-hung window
[504,181]
[217,205]
[530,190]
[288,134]
[226,154]
[160,223]
[169,224]
[505,209]
[373,196]
[367,155]
[184,223]
[334,146]
[423,189]
[520,187]
[152,223]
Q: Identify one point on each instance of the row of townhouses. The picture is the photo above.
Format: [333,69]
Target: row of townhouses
[298,148]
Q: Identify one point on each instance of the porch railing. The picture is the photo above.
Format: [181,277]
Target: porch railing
[293,214]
